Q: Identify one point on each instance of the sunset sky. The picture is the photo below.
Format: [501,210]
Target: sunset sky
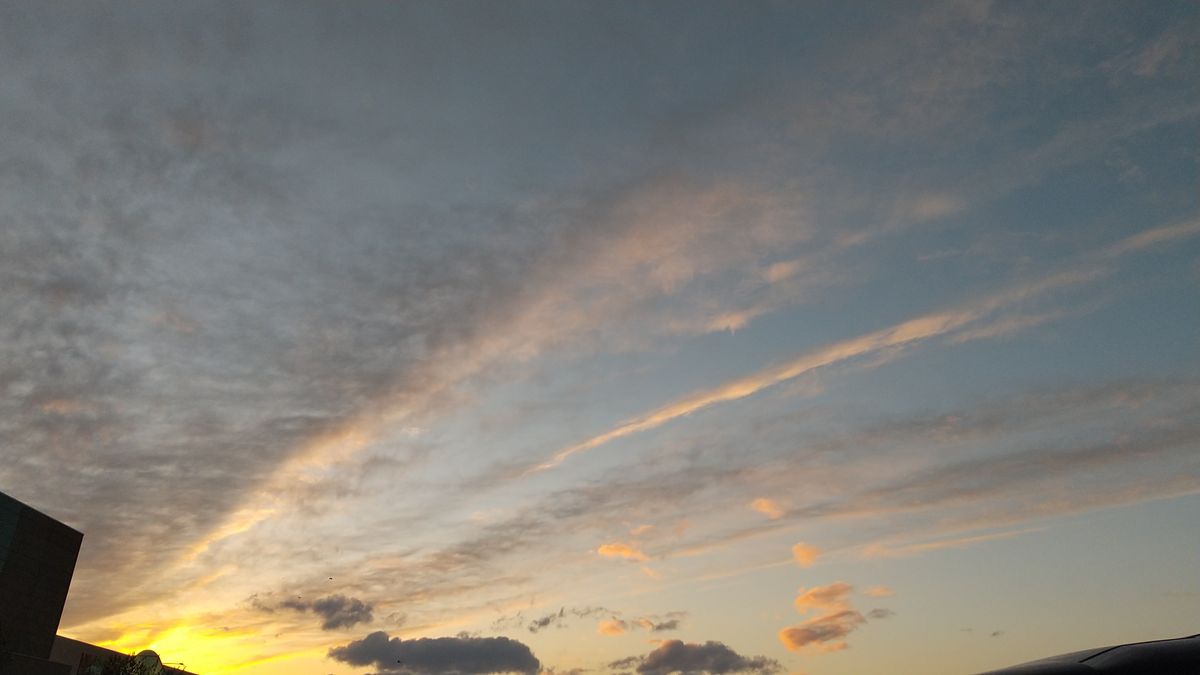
[617,337]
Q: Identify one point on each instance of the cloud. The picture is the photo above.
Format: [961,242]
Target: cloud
[655,626]
[883,550]
[886,341]
[651,624]
[437,656]
[204,318]
[552,619]
[341,612]
[620,550]
[674,656]
[767,507]
[879,592]
[832,596]
[336,611]
[825,632]
[615,624]
[805,554]
[612,627]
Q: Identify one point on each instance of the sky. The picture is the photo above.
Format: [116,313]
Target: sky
[610,337]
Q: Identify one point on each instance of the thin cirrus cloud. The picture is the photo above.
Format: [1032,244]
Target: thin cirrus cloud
[908,333]
[901,550]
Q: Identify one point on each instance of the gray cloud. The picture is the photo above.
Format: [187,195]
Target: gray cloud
[341,612]
[561,619]
[550,619]
[675,656]
[336,611]
[880,613]
[438,656]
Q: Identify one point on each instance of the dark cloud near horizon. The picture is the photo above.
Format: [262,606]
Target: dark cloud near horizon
[439,656]
[715,658]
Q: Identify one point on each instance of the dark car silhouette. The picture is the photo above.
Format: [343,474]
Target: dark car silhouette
[1180,656]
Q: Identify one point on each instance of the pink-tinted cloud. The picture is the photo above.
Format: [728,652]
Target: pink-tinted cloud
[835,596]
[612,627]
[621,550]
[805,554]
[767,507]
[826,633]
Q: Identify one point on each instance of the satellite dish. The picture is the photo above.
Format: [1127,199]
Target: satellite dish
[148,662]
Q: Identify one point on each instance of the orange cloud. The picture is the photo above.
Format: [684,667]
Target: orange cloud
[879,592]
[805,554]
[767,507]
[611,627]
[619,550]
[835,596]
[825,633]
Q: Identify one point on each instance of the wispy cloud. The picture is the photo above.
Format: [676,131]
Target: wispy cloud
[951,321]
[884,550]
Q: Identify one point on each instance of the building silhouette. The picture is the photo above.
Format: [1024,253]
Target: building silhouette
[37,561]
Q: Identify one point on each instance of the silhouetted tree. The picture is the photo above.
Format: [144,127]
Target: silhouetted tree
[123,664]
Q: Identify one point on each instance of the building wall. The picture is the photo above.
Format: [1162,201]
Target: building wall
[19,664]
[37,559]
